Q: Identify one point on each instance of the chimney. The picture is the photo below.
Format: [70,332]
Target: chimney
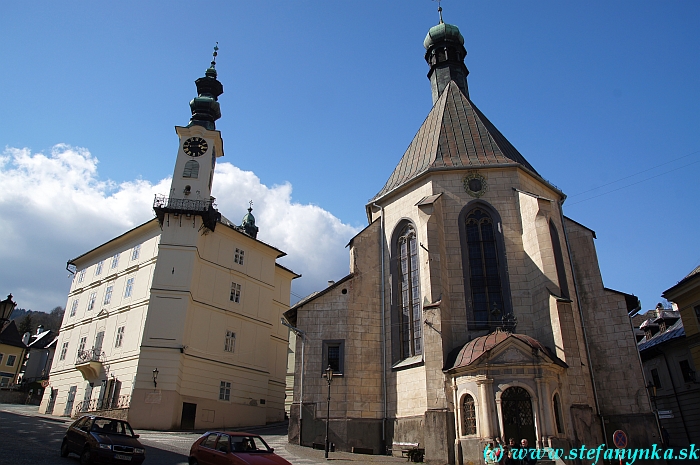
[330,283]
[40,329]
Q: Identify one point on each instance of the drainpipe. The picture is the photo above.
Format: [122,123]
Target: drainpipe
[382,294]
[302,334]
[583,323]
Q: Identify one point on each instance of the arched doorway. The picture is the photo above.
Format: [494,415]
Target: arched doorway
[518,421]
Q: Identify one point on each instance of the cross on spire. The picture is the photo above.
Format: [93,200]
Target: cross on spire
[216,52]
[439,10]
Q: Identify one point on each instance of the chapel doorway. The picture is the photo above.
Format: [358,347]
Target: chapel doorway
[518,420]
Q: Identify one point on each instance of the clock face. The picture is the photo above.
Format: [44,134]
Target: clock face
[195,147]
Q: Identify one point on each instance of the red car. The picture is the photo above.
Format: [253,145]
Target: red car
[223,447]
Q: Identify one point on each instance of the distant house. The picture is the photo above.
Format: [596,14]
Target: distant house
[40,351]
[11,354]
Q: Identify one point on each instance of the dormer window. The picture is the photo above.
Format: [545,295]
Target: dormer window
[647,334]
[662,326]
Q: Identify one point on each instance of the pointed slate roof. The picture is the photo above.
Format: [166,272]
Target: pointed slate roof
[454,135]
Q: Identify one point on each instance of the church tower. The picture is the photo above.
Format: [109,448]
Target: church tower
[200,144]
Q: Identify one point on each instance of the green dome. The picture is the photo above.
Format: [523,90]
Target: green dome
[443,32]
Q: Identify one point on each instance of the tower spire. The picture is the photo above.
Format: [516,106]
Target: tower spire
[445,52]
[205,107]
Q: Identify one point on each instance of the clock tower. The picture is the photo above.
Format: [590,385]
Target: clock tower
[200,144]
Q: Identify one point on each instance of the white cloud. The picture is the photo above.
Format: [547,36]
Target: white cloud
[55,207]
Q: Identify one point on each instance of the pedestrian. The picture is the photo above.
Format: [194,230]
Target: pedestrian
[510,451]
[530,456]
[489,454]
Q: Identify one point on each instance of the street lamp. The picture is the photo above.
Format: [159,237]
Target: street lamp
[329,379]
[6,308]
[155,378]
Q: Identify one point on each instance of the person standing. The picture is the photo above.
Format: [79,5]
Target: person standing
[530,455]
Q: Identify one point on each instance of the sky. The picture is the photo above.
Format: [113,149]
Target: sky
[320,101]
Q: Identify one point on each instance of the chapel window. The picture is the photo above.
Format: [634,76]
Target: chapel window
[409,293]
[485,280]
[468,415]
[557,414]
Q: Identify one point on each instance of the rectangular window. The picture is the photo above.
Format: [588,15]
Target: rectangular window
[81,275]
[697,313]
[120,337]
[11,360]
[115,261]
[238,258]
[230,343]
[129,287]
[235,292]
[688,373]
[225,391]
[333,356]
[135,252]
[108,295]
[81,346]
[91,300]
[74,307]
[1,356]
[98,267]
[64,351]
[655,378]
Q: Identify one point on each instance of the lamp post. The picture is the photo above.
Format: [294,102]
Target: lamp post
[300,333]
[155,378]
[329,379]
[6,308]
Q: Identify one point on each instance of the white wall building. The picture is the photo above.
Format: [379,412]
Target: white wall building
[176,323]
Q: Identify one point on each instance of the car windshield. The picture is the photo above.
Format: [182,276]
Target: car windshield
[248,444]
[111,426]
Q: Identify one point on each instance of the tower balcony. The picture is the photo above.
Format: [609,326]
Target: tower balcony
[89,363]
[163,206]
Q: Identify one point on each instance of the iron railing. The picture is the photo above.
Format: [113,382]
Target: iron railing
[94,405]
[185,205]
[90,355]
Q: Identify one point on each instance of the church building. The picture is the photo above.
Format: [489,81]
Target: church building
[474,308]
[175,324]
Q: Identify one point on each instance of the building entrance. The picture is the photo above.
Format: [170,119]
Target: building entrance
[518,421]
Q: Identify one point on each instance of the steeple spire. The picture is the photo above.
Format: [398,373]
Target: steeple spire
[445,54]
[205,107]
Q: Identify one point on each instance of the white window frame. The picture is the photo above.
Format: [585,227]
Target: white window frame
[135,252]
[64,351]
[11,359]
[235,293]
[98,267]
[108,295]
[74,308]
[81,345]
[120,336]
[115,261]
[230,341]
[81,275]
[129,287]
[91,300]
[225,391]
[239,256]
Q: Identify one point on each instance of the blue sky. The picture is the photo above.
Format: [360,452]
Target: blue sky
[321,100]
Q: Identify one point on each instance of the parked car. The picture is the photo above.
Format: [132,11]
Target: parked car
[102,440]
[223,447]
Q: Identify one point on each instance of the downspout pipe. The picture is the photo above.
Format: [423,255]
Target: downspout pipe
[382,293]
[583,323]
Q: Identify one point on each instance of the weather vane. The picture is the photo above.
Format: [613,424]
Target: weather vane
[216,52]
[251,206]
[439,10]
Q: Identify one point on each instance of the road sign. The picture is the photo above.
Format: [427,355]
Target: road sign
[665,412]
[620,439]
[666,417]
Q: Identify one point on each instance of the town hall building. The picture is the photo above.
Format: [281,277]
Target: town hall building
[474,308]
[175,324]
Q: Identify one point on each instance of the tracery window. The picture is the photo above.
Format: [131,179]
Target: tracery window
[191,169]
[468,415]
[485,280]
[409,293]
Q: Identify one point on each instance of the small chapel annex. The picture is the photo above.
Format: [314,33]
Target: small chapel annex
[175,324]
[474,309]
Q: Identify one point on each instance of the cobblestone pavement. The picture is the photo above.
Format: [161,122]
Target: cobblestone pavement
[179,442]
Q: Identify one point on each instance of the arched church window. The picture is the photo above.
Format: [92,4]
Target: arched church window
[558,260]
[191,169]
[468,415]
[557,413]
[484,268]
[409,293]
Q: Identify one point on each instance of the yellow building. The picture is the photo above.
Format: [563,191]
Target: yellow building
[176,323]
[11,353]
[686,295]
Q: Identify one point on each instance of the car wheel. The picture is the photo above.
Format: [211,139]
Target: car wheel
[64,449]
[86,457]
